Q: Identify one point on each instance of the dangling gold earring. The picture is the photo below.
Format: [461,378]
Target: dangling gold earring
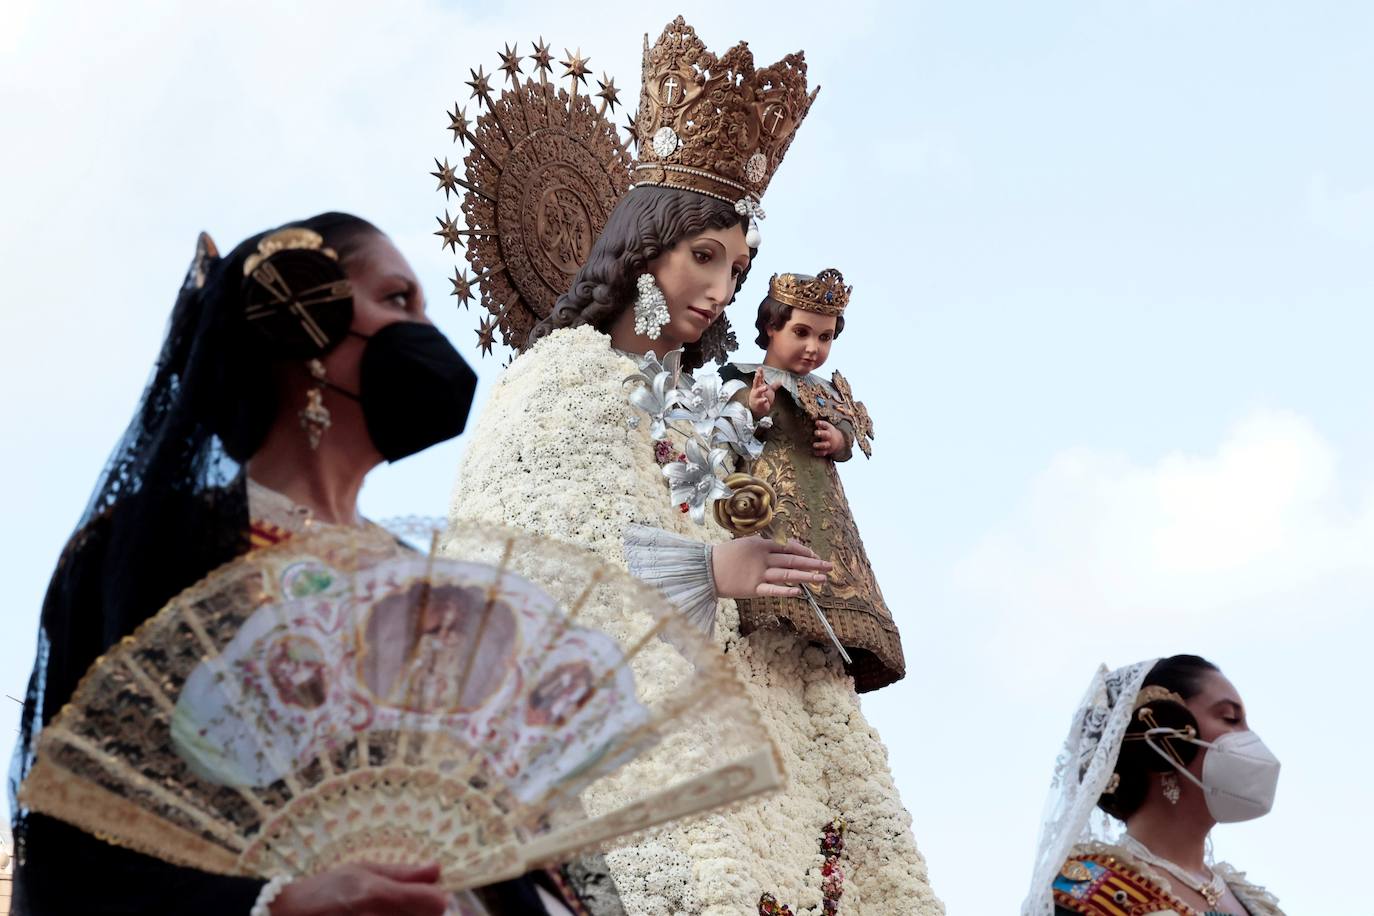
[314,415]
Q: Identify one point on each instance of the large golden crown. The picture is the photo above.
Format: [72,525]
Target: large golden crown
[824,294]
[715,125]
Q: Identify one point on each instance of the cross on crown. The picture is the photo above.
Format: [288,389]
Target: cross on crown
[715,125]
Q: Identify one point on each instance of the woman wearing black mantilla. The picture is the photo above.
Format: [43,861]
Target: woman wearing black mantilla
[291,367]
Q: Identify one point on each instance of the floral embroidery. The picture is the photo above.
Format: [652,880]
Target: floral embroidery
[769,906]
[665,451]
[832,876]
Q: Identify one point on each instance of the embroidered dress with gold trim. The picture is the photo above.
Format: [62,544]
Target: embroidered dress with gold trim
[1103,885]
[812,507]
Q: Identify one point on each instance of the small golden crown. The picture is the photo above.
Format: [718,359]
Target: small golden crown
[715,125]
[824,294]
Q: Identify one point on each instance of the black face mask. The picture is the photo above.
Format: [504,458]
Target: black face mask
[416,389]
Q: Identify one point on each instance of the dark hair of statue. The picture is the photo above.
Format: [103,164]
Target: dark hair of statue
[1183,675]
[773,316]
[170,506]
[647,222]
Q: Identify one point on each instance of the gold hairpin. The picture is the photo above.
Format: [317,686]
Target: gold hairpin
[1153,693]
[284,239]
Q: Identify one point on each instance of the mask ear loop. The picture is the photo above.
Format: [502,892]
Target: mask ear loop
[1167,752]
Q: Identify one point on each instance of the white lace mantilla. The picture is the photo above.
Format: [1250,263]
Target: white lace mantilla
[556,451]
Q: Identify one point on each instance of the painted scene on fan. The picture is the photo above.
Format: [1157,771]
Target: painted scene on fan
[407,645]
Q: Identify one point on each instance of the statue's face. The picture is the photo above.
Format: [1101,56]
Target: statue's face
[803,344]
[698,277]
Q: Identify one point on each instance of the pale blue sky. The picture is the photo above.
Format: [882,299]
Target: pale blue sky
[1112,269]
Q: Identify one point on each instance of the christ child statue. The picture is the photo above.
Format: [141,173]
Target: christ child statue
[809,424]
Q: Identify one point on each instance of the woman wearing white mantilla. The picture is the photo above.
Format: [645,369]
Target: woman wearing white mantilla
[1165,747]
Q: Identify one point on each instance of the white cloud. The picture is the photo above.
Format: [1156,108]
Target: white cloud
[1264,513]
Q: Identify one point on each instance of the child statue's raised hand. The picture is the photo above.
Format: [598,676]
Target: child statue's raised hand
[761,395]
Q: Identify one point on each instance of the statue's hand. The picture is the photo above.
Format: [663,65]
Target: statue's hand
[761,395]
[829,440]
[757,566]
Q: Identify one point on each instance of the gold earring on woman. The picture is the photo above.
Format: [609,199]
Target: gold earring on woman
[314,415]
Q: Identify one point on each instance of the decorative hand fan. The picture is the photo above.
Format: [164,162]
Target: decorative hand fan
[340,698]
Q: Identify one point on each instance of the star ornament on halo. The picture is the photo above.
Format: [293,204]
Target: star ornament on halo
[486,335]
[458,123]
[576,66]
[481,85]
[510,62]
[609,93]
[462,286]
[448,232]
[543,59]
[448,178]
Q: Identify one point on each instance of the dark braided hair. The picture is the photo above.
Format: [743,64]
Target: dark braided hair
[648,221]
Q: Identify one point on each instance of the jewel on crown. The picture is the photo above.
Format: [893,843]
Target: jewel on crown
[716,125]
[824,294]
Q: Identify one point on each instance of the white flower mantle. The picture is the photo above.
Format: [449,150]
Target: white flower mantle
[553,452]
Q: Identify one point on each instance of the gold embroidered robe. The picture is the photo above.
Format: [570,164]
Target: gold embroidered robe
[811,507]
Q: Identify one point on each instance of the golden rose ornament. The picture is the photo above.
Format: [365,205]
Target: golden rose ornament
[749,507]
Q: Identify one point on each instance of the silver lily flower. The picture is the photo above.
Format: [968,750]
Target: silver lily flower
[718,425]
[658,399]
[660,390]
[719,419]
[716,417]
[697,482]
[650,367]
[705,403]
[735,428]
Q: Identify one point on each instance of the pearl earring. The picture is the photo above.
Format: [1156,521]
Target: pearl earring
[651,308]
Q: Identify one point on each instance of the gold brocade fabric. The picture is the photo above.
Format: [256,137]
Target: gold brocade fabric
[811,507]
